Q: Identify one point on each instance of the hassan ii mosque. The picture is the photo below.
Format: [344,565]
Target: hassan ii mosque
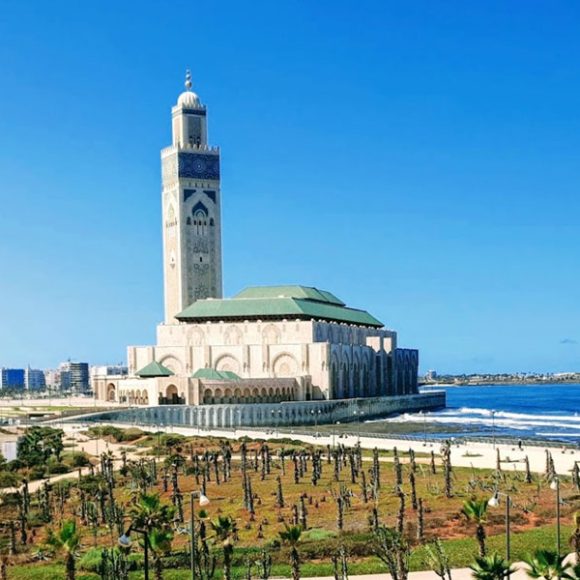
[284,355]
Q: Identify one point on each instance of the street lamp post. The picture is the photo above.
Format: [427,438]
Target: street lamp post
[555,485]
[125,542]
[493,427]
[203,501]
[494,502]
[315,413]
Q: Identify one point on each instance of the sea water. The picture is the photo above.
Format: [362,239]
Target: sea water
[549,412]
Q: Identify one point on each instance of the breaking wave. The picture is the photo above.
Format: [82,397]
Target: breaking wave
[545,412]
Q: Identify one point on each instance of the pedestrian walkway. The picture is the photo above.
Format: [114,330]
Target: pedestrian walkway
[456,574]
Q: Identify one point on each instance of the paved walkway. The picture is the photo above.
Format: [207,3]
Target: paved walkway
[82,443]
[456,574]
[463,454]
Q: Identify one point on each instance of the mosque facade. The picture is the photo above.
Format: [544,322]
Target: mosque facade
[288,352]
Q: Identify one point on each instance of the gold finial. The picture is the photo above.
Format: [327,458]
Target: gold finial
[188,80]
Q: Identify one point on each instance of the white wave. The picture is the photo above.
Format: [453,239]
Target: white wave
[557,434]
[510,415]
[509,420]
[473,411]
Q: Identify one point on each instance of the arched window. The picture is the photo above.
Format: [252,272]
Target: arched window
[200,219]
[200,223]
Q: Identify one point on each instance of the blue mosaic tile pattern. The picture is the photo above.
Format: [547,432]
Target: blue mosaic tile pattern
[199,166]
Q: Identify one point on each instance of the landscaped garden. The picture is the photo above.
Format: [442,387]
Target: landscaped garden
[265,509]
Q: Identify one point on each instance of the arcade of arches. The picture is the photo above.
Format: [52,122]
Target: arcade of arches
[219,395]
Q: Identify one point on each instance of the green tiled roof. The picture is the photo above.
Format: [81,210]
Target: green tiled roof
[305,292]
[277,302]
[154,369]
[213,375]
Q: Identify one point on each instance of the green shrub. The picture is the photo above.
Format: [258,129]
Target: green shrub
[171,439]
[37,472]
[131,434]
[55,468]
[176,560]
[9,479]
[15,464]
[76,459]
[91,560]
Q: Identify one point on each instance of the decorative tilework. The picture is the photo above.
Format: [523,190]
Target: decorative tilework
[187,193]
[199,207]
[210,194]
[199,166]
[201,112]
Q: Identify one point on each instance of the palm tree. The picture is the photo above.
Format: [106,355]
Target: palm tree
[492,567]
[547,564]
[67,540]
[154,518]
[148,513]
[291,536]
[225,529]
[475,510]
[575,537]
[160,543]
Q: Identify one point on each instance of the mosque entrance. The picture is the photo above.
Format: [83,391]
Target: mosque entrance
[111,392]
[171,397]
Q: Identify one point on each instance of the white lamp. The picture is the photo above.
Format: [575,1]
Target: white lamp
[125,541]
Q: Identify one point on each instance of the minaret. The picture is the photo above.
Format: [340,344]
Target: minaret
[192,264]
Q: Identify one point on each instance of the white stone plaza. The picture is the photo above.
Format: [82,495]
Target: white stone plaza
[291,353]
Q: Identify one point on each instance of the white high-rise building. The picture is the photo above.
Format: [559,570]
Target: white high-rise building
[191,209]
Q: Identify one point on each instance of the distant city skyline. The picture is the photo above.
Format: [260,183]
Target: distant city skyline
[421,161]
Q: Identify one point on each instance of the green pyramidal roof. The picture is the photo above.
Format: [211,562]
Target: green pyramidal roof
[304,292]
[276,303]
[213,375]
[154,369]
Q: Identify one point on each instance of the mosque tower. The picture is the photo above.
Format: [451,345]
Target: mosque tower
[192,264]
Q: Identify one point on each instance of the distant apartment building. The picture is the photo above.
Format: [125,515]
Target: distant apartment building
[12,379]
[74,377]
[52,379]
[34,379]
[431,375]
[107,371]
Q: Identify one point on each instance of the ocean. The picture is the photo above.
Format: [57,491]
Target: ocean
[547,412]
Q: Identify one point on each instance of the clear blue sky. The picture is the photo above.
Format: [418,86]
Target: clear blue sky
[419,159]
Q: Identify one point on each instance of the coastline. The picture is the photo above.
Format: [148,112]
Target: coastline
[551,383]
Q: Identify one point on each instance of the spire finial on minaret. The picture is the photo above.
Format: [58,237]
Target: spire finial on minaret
[188,80]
